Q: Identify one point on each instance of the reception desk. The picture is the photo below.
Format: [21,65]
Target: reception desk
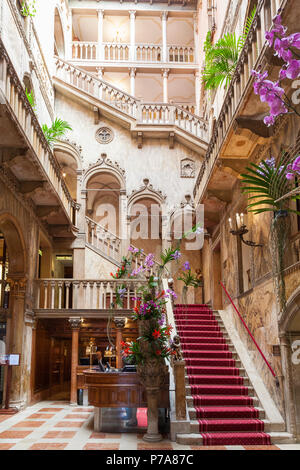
[118,390]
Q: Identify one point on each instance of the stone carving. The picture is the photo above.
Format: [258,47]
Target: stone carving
[105,163]
[147,189]
[187,168]
[104,135]
[176,348]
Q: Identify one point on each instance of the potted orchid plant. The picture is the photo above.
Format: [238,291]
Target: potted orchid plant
[190,280]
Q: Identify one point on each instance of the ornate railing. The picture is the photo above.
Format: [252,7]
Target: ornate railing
[87,294]
[250,57]
[143,113]
[179,54]
[17,101]
[104,240]
[112,51]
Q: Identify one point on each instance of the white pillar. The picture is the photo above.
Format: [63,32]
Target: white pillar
[100,34]
[196,39]
[197,91]
[69,39]
[164,17]
[132,73]
[132,14]
[165,74]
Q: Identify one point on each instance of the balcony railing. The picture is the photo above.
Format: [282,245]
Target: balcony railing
[143,113]
[102,239]
[86,294]
[250,58]
[111,52]
[18,103]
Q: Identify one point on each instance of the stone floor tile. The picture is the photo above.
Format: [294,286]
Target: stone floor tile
[41,416]
[261,448]
[53,410]
[7,445]
[69,424]
[59,435]
[10,434]
[96,446]
[77,416]
[28,424]
[49,446]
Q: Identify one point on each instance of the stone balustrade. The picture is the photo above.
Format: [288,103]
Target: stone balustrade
[86,294]
[250,58]
[18,104]
[144,113]
[102,239]
[88,51]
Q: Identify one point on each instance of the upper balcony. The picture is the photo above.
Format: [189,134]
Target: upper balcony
[143,38]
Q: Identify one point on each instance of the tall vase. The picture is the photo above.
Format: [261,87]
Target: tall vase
[152,374]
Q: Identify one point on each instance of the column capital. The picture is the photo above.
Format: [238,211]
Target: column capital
[132,72]
[75,323]
[100,71]
[132,14]
[119,322]
[100,12]
[165,72]
[164,15]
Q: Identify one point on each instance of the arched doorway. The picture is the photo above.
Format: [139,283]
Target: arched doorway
[145,215]
[103,200]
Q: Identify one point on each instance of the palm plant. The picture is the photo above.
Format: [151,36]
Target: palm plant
[30,97]
[57,130]
[266,185]
[221,59]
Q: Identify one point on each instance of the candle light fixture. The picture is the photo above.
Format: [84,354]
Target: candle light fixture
[240,229]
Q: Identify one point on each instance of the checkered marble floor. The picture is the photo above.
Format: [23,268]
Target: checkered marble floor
[52,425]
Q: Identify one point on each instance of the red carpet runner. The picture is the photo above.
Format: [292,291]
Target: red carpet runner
[225,412]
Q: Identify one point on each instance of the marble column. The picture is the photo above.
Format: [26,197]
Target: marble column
[132,74]
[165,74]
[123,230]
[100,34]
[289,404]
[16,340]
[119,325]
[197,92]
[68,36]
[75,327]
[132,15]
[164,17]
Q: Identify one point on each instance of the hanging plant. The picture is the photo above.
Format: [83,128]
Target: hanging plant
[31,99]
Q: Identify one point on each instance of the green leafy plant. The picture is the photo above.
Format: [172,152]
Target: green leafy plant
[188,278]
[57,130]
[221,58]
[31,99]
[266,184]
[28,8]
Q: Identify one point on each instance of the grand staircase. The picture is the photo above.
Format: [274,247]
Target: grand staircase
[223,409]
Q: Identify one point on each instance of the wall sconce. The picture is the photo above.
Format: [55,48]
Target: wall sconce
[241,230]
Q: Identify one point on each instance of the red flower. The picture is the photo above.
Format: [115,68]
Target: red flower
[161,294]
[156,334]
[158,352]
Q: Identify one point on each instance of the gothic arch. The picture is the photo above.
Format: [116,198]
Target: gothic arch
[146,191]
[12,232]
[105,165]
[292,309]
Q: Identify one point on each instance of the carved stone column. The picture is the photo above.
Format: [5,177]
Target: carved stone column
[165,74]
[100,34]
[132,15]
[289,404]
[16,339]
[75,327]
[119,325]
[164,18]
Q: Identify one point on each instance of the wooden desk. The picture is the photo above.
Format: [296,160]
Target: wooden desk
[119,389]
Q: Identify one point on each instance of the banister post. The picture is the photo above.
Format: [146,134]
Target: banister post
[180,396]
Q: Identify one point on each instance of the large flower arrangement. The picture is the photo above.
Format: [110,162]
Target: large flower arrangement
[150,310]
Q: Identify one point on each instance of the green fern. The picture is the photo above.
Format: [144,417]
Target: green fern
[57,130]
